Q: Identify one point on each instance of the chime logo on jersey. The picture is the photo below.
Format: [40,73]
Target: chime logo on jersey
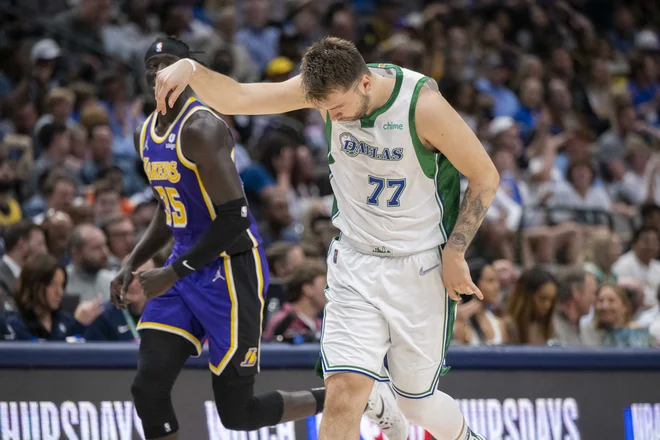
[352,147]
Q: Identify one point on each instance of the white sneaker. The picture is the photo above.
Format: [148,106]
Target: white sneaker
[383,410]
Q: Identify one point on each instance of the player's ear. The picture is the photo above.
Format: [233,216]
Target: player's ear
[365,81]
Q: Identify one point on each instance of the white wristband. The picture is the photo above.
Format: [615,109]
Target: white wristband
[192,63]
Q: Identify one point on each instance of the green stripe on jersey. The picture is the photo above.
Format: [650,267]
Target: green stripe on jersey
[368,121]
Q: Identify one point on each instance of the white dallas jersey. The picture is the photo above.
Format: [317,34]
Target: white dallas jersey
[392,195]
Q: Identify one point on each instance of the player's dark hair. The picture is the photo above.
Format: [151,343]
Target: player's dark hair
[19,231]
[330,65]
[304,274]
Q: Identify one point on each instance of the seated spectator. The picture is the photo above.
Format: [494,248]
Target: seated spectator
[576,296]
[612,325]
[107,202]
[56,142]
[100,147]
[10,209]
[278,224]
[22,240]
[38,298]
[602,252]
[580,193]
[480,326]
[121,325]
[531,100]
[650,213]
[120,233]
[530,308]
[87,273]
[58,227]
[283,258]
[506,102]
[143,214]
[641,262]
[654,325]
[299,319]
[59,192]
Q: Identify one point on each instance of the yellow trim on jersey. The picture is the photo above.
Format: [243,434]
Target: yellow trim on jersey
[260,287]
[233,321]
[152,128]
[171,329]
[143,135]
[191,166]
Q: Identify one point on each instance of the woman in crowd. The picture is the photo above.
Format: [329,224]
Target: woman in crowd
[38,297]
[603,250]
[530,308]
[479,325]
[612,325]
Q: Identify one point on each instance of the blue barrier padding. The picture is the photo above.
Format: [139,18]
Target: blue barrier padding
[274,356]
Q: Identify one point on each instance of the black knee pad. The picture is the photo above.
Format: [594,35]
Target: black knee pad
[162,356]
[239,409]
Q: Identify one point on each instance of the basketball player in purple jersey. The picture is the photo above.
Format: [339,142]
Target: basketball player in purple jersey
[212,285]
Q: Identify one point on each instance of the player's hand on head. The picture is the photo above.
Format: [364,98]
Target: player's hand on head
[155,282]
[170,83]
[119,285]
[456,276]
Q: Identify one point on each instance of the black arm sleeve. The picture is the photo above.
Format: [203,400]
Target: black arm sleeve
[231,219]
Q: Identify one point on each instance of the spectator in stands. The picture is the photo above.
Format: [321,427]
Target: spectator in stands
[100,146]
[479,325]
[86,21]
[107,202]
[644,88]
[22,240]
[576,296]
[602,252]
[59,105]
[120,232]
[10,209]
[530,308]
[506,102]
[612,325]
[60,191]
[58,227]
[278,224]
[121,325]
[283,258]
[531,101]
[654,325]
[38,298]
[611,144]
[299,319]
[641,262]
[259,38]
[87,273]
[142,215]
[650,213]
[56,143]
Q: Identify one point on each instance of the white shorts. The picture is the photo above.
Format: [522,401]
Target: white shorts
[394,306]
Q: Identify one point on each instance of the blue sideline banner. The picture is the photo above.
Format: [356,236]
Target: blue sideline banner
[80,404]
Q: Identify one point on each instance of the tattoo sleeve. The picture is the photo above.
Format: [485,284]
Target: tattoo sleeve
[472,213]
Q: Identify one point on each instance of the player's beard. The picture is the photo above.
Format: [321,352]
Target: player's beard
[365,102]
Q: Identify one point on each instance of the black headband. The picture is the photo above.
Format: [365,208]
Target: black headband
[168,47]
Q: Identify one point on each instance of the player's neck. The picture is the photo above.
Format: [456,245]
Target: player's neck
[168,118]
[382,89]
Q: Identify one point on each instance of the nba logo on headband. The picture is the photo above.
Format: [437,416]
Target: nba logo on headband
[159,47]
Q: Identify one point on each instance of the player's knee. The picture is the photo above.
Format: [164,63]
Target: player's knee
[437,409]
[347,393]
[149,393]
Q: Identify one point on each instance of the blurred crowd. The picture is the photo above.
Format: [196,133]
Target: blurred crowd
[564,95]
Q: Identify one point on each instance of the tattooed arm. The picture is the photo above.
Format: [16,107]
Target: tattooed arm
[439,126]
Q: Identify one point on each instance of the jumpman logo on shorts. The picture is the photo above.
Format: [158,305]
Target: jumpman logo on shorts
[218,274]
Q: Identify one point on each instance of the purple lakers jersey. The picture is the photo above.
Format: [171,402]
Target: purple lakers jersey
[188,207]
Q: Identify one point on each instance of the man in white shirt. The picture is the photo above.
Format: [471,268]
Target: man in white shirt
[642,264]
[22,240]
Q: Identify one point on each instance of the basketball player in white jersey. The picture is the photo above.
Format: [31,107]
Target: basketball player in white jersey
[395,272]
